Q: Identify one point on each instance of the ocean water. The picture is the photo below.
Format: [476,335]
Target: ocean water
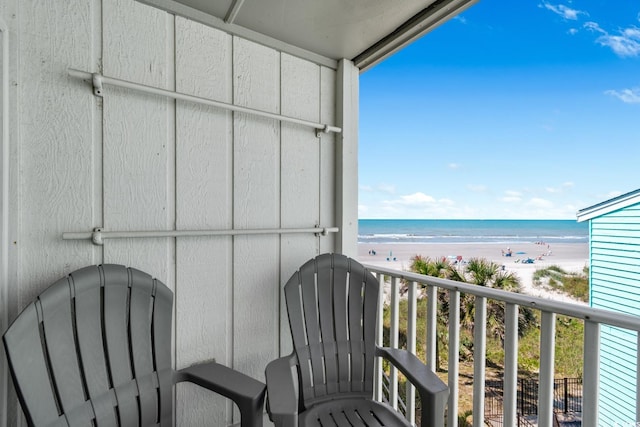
[471,231]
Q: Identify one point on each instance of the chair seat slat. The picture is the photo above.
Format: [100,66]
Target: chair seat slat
[58,325]
[116,322]
[327,327]
[357,294]
[338,275]
[26,359]
[312,322]
[141,342]
[351,412]
[87,289]
[161,324]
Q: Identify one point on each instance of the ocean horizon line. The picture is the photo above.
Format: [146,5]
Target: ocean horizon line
[429,231]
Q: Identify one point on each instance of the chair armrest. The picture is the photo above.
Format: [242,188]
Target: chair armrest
[245,391]
[282,391]
[433,391]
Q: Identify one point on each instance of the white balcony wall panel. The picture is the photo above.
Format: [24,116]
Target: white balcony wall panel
[204,191]
[138,129]
[256,204]
[132,161]
[300,179]
[55,154]
[8,225]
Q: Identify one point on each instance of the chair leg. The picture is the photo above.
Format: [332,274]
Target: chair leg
[251,411]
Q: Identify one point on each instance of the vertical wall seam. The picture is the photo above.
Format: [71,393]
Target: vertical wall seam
[279,344]
[4,214]
[172,211]
[98,128]
[319,141]
[230,311]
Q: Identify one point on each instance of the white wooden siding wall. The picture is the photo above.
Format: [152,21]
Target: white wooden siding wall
[204,173]
[52,149]
[615,274]
[131,161]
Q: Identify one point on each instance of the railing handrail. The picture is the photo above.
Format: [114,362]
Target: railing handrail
[597,315]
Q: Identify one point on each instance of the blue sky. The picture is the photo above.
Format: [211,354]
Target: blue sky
[514,109]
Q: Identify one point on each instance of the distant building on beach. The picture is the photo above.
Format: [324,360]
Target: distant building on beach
[614,259]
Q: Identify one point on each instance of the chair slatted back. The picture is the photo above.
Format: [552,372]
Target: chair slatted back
[95,347]
[332,305]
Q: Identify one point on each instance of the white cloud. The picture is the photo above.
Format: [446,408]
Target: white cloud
[593,26]
[539,203]
[365,188]
[625,44]
[511,199]
[387,188]
[563,11]
[629,96]
[477,188]
[562,188]
[460,19]
[454,166]
[416,205]
[511,196]
[416,199]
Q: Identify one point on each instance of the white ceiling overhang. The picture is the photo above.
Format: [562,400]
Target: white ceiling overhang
[324,31]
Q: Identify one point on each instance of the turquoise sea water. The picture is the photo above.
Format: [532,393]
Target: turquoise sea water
[471,231]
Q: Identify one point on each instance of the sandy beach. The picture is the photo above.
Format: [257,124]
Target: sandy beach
[572,257]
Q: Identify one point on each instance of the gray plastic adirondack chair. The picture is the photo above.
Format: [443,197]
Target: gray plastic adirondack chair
[328,379]
[95,349]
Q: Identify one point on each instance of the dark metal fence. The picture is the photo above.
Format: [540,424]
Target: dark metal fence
[567,395]
[567,399]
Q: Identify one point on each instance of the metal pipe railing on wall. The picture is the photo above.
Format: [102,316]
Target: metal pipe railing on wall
[98,80]
[98,235]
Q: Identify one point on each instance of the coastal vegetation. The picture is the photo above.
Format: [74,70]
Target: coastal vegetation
[569,331]
[556,278]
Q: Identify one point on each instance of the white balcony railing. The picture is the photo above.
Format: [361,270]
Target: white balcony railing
[549,309]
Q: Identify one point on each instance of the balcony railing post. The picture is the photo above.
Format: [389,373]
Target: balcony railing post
[510,364]
[454,352]
[379,340]
[479,360]
[393,341]
[547,358]
[412,318]
[591,374]
[432,326]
